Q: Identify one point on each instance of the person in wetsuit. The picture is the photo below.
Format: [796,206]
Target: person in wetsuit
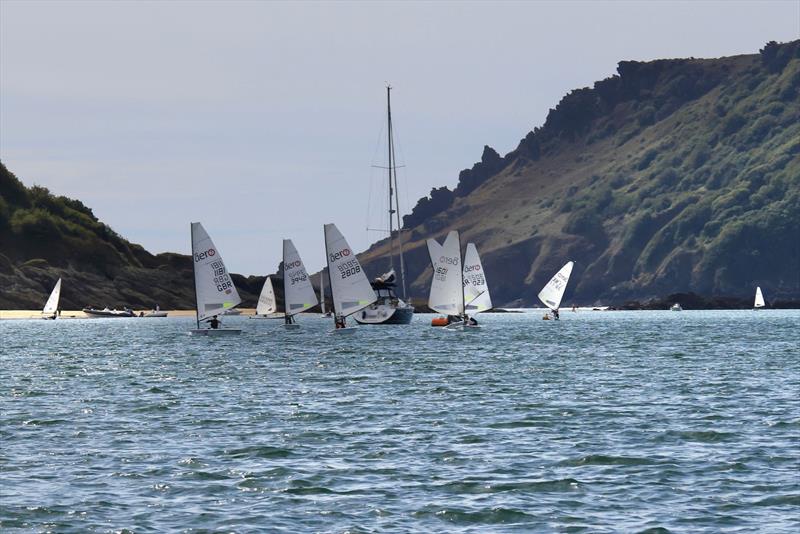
[214,322]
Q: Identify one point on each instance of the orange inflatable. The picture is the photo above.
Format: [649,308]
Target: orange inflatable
[440,321]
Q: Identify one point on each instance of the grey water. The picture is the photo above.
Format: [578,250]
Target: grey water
[601,422]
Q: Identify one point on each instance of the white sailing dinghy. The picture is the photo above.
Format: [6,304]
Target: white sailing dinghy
[266,305]
[298,293]
[448,293]
[213,288]
[759,302]
[50,310]
[552,293]
[350,289]
[476,288]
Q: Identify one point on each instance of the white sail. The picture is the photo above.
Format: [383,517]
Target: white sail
[476,288]
[213,285]
[52,303]
[447,292]
[551,294]
[298,292]
[350,288]
[266,300]
[759,303]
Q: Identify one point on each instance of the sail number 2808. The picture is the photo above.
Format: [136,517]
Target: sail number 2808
[349,268]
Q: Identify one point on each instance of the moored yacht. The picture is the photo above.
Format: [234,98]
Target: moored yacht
[388,308]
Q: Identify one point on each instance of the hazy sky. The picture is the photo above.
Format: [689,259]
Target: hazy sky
[262,119]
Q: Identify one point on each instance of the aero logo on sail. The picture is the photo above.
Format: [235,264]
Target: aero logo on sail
[199,256]
[470,268]
[341,254]
[295,263]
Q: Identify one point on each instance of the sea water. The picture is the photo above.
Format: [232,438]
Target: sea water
[603,421]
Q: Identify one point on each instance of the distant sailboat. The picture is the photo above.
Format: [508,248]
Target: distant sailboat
[552,293]
[50,310]
[298,293]
[388,308]
[266,301]
[350,288]
[759,302]
[213,287]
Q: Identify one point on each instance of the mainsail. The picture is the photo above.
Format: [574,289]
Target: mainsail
[52,303]
[447,292]
[759,303]
[266,300]
[476,288]
[350,288]
[297,289]
[551,294]
[213,286]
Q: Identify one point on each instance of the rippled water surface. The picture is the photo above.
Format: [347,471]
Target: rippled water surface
[604,421]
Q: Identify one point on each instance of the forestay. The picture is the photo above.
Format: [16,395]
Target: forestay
[266,300]
[447,292]
[51,306]
[350,288]
[476,288]
[213,285]
[553,292]
[298,292]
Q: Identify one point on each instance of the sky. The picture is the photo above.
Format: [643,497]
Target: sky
[263,120]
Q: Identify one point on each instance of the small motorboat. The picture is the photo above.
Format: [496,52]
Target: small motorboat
[105,312]
[676,307]
[155,313]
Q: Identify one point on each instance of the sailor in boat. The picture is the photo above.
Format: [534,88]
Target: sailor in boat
[288,319]
[555,314]
[340,321]
[214,322]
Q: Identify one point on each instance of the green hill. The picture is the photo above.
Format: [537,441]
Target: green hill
[672,176]
[44,237]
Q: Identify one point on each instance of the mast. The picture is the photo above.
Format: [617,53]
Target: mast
[322,292]
[194,275]
[390,143]
[394,208]
[328,263]
[461,271]
[285,301]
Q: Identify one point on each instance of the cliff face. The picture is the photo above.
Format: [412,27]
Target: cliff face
[673,175]
[44,237]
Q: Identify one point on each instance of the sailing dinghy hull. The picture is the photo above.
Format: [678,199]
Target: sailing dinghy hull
[214,332]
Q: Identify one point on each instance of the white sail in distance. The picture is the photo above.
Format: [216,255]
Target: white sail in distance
[298,293]
[51,306]
[213,285]
[552,293]
[476,288]
[350,288]
[447,291]
[759,302]
[266,300]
